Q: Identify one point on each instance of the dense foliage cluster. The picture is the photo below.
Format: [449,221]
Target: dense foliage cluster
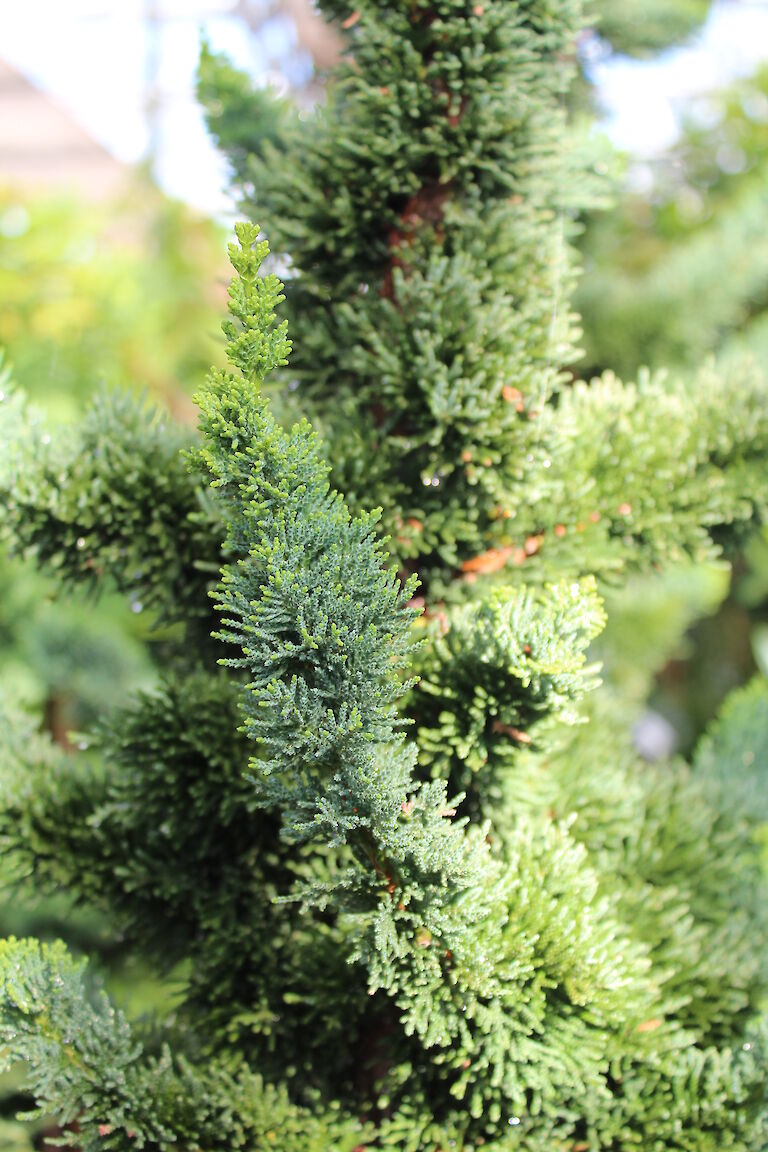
[393,840]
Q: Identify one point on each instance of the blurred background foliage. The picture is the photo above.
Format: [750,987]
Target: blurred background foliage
[678,269]
[120,294]
[124,293]
[639,29]
[675,273]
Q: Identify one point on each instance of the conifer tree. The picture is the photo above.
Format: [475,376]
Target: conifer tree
[422,892]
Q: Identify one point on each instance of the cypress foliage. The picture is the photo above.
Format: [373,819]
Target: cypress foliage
[115,500]
[431,204]
[418,888]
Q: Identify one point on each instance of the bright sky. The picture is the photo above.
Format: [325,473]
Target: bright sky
[98,58]
[107,62]
[643,99]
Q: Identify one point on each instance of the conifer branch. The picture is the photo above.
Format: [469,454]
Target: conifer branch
[502,674]
[85,1067]
[323,630]
[114,503]
[632,476]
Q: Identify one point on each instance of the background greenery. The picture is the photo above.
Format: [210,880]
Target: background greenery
[122,294]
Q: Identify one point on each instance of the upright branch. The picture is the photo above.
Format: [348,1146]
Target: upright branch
[323,630]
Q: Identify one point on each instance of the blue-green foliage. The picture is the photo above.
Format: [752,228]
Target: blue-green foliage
[438,226]
[85,1063]
[323,630]
[417,915]
[427,213]
[556,972]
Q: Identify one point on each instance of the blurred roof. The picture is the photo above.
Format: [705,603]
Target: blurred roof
[43,147]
